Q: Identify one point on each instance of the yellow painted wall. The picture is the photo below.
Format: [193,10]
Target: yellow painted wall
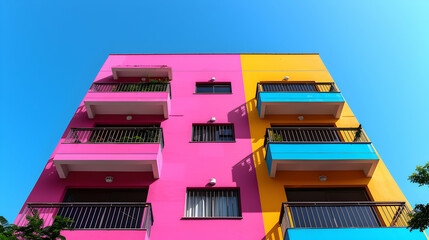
[300,67]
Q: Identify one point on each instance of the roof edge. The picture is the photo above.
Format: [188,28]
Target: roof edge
[214,54]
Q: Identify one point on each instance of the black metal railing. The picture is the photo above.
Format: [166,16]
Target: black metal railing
[315,135]
[116,135]
[343,215]
[213,133]
[326,87]
[93,215]
[131,87]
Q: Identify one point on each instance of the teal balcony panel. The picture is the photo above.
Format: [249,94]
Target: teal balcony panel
[321,157]
[300,103]
[354,234]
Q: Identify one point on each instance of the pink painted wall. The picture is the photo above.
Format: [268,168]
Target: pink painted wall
[184,164]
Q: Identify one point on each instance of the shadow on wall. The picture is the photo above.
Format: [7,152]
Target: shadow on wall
[239,116]
[259,156]
[275,233]
[244,175]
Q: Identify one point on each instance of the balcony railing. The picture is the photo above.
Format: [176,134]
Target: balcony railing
[97,216]
[130,87]
[315,135]
[115,135]
[328,87]
[343,215]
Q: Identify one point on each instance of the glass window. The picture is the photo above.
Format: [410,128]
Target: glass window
[213,88]
[213,203]
[213,133]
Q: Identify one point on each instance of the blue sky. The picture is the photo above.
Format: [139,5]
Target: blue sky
[376,51]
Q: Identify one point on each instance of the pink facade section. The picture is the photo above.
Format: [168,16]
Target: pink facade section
[185,164]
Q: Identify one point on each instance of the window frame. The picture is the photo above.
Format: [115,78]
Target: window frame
[240,210]
[213,85]
[213,124]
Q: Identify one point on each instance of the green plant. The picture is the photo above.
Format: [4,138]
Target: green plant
[130,139]
[420,215]
[7,231]
[34,230]
[159,80]
[277,137]
[149,137]
[154,80]
[358,134]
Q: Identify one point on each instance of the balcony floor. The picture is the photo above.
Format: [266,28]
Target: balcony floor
[354,234]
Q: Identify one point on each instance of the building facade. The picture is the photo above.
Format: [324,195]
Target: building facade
[218,146]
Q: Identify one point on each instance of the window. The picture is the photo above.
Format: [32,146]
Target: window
[213,133]
[105,195]
[213,203]
[213,88]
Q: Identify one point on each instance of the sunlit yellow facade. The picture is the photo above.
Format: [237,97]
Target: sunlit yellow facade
[300,67]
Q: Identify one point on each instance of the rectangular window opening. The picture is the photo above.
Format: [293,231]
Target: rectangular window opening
[213,203]
[213,88]
[213,133]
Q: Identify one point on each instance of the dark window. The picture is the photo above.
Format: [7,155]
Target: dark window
[331,215]
[105,208]
[213,133]
[105,195]
[326,194]
[213,88]
[213,203]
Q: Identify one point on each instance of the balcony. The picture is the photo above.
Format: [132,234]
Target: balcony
[141,71]
[346,220]
[129,99]
[319,149]
[299,99]
[111,150]
[96,220]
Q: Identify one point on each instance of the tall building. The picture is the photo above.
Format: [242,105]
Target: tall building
[218,146]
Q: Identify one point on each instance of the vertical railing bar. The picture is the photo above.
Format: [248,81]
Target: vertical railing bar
[360,219]
[102,217]
[82,212]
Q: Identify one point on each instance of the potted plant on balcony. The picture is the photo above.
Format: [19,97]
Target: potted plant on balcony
[277,137]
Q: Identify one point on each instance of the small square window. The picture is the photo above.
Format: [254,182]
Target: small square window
[210,88]
[213,203]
